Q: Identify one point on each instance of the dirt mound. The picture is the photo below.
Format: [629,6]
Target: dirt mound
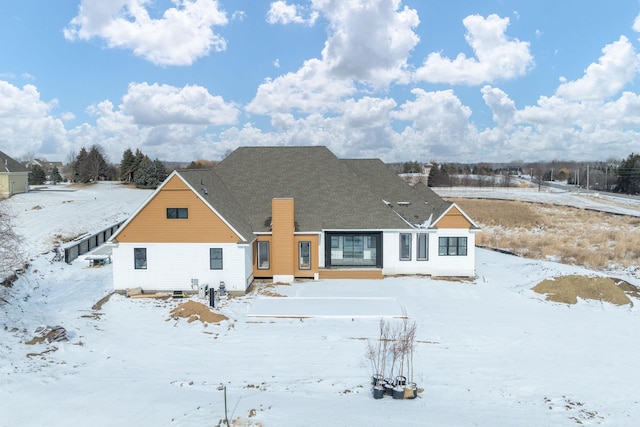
[567,289]
[193,311]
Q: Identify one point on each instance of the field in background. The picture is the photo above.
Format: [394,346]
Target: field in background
[569,235]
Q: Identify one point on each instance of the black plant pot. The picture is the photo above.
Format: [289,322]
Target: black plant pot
[388,389]
[398,392]
[378,392]
[377,379]
[401,380]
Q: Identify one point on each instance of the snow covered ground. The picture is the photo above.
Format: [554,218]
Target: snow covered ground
[561,195]
[491,352]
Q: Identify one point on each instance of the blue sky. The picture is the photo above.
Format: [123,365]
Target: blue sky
[426,80]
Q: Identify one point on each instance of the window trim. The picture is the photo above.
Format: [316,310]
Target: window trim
[136,252]
[448,249]
[212,259]
[264,243]
[375,238]
[178,213]
[424,236]
[301,265]
[405,246]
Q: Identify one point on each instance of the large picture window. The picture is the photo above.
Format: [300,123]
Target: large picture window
[215,258]
[405,247]
[356,249]
[452,246]
[263,255]
[177,213]
[304,255]
[140,258]
[422,247]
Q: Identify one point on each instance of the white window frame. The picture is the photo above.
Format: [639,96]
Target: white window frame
[261,248]
[405,245]
[425,238]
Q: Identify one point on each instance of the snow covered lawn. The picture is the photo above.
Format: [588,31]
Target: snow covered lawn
[490,352]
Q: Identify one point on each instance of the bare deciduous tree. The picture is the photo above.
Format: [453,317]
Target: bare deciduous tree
[391,354]
[11,257]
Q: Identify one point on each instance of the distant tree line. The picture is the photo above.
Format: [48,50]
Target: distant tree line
[622,176]
[92,165]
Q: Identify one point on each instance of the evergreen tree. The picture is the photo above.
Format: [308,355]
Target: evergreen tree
[161,171]
[97,167]
[55,175]
[79,166]
[127,166]
[628,181]
[91,165]
[411,167]
[438,176]
[37,175]
[150,174]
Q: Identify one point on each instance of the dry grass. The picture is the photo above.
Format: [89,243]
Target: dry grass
[569,235]
[567,289]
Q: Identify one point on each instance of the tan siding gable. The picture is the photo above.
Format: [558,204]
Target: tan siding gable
[151,224]
[454,219]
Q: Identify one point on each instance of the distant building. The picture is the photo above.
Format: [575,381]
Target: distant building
[46,166]
[421,177]
[14,177]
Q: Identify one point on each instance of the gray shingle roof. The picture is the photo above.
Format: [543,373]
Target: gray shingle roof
[329,193]
[7,164]
[416,204]
[213,190]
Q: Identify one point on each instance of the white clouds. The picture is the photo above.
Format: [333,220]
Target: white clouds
[369,41]
[26,121]
[636,24]
[502,107]
[157,119]
[496,56]
[282,13]
[617,67]
[308,90]
[155,105]
[181,36]
[441,110]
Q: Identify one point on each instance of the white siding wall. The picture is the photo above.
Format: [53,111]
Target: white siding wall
[172,266]
[435,265]
[391,255]
[454,265]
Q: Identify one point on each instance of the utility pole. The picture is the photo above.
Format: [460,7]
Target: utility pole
[588,176]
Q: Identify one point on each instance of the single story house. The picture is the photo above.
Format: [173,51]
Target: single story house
[14,177]
[281,213]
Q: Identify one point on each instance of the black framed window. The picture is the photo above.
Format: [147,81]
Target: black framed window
[405,247]
[177,213]
[263,255]
[452,246]
[422,247]
[353,249]
[304,255]
[215,258]
[140,258]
